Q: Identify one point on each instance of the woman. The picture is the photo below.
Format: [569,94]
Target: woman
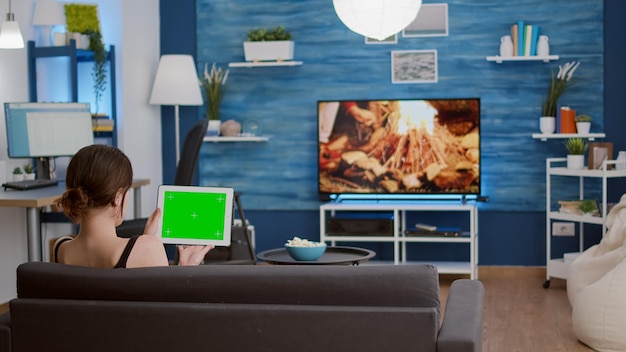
[98,180]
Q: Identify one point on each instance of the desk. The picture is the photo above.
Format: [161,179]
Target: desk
[37,198]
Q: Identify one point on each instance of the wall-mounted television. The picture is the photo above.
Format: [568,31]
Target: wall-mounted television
[399,147]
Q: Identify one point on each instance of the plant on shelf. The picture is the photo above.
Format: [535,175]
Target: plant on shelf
[588,206]
[83,19]
[214,83]
[558,85]
[29,172]
[583,124]
[576,146]
[17,171]
[272,44]
[264,34]
[583,118]
[18,175]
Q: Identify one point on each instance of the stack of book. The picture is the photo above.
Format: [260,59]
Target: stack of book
[524,38]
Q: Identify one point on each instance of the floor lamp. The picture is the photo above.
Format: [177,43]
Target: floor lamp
[176,83]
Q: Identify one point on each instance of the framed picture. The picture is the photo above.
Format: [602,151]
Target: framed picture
[598,153]
[390,40]
[431,21]
[414,66]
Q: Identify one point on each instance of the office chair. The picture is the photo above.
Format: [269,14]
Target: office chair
[184,173]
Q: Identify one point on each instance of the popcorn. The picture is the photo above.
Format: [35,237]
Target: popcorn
[300,242]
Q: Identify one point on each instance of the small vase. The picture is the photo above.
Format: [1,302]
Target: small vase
[575,161]
[506,46]
[583,127]
[621,158]
[547,124]
[543,47]
[214,128]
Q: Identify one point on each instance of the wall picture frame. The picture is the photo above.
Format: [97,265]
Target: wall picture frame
[598,152]
[414,66]
[431,21]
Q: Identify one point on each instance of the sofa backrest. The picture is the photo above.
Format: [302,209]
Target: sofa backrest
[366,285]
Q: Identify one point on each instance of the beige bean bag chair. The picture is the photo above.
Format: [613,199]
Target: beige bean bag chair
[596,287]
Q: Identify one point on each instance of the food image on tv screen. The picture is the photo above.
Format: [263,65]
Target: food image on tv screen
[399,146]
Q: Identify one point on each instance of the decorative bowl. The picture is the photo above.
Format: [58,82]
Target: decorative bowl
[308,254]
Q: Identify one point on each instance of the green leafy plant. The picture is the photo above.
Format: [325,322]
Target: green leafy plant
[583,118]
[264,34]
[558,85]
[28,168]
[576,146]
[84,19]
[17,171]
[588,206]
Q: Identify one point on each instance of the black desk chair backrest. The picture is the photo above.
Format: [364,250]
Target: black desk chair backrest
[189,157]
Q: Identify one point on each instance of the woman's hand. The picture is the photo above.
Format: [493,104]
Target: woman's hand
[192,255]
[152,223]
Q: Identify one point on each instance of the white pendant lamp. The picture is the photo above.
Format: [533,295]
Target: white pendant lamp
[10,34]
[378,19]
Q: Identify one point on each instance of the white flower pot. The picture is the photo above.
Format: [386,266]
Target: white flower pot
[583,127]
[29,176]
[281,50]
[214,128]
[18,177]
[575,161]
[547,124]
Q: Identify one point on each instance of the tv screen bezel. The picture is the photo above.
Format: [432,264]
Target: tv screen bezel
[329,196]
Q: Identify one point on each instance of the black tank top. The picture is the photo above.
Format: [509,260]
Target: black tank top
[120,263]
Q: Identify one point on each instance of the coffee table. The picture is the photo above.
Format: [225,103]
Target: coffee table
[333,256]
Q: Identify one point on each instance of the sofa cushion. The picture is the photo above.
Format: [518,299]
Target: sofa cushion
[367,285]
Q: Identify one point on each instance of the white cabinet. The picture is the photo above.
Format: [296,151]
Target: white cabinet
[557,267]
[397,211]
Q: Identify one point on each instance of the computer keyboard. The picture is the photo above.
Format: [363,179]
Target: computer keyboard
[29,184]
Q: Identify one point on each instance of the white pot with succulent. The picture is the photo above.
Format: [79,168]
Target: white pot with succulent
[29,172]
[268,45]
[18,175]
[214,83]
[576,148]
[583,124]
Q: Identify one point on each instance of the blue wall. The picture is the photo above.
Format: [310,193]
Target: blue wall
[278,178]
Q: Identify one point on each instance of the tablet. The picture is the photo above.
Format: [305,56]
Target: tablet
[195,215]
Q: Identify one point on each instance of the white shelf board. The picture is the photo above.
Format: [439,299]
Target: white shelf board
[448,267]
[589,136]
[500,59]
[217,139]
[264,63]
[564,171]
[556,215]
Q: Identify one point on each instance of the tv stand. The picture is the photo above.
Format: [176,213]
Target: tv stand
[397,212]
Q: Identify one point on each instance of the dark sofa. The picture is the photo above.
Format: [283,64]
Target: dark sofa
[240,308]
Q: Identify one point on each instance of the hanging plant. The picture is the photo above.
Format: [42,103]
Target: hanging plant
[83,19]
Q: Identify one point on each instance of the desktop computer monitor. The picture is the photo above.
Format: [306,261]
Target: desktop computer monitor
[47,130]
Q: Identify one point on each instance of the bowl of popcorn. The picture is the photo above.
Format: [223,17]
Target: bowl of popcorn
[304,250]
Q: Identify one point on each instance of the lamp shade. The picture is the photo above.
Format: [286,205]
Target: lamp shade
[48,13]
[176,82]
[378,19]
[11,36]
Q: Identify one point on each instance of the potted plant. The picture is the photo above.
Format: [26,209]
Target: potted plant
[264,44]
[558,85]
[29,172]
[583,124]
[83,19]
[588,207]
[576,148]
[17,174]
[214,83]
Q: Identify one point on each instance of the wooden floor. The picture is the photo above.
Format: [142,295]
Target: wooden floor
[520,315]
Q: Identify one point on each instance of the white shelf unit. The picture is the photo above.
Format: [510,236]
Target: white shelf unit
[250,64]
[500,59]
[589,136]
[217,139]
[557,267]
[399,210]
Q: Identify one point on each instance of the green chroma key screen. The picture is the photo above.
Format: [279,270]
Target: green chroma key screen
[194,215]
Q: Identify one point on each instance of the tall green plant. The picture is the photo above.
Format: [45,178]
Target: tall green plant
[214,83]
[558,85]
